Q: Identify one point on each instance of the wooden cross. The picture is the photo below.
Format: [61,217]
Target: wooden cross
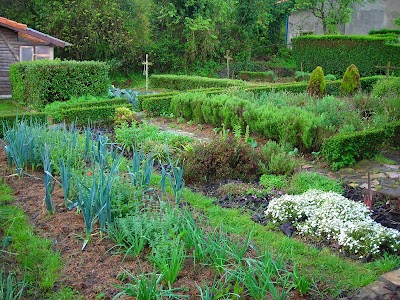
[146,70]
[388,67]
[228,58]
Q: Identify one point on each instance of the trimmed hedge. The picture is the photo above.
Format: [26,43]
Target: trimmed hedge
[185,83]
[60,114]
[257,76]
[346,149]
[384,31]
[84,115]
[8,120]
[36,83]
[335,53]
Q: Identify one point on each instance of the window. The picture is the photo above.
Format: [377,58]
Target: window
[36,53]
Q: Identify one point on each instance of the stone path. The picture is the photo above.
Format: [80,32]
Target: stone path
[387,287]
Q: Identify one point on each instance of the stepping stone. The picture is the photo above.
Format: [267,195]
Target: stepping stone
[393,175]
[393,277]
[377,176]
[394,167]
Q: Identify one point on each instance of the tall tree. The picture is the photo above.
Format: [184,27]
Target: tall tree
[331,12]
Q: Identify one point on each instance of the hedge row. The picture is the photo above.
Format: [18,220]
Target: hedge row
[159,104]
[10,119]
[335,53]
[83,116]
[36,83]
[346,149]
[293,125]
[257,76]
[332,87]
[61,112]
[185,83]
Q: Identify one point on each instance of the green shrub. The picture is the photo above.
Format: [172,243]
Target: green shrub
[317,85]
[36,83]
[302,76]
[304,181]
[386,88]
[335,53]
[257,76]
[351,81]
[275,159]
[84,115]
[330,77]
[271,182]
[56,110]
[346,149]
[184,83]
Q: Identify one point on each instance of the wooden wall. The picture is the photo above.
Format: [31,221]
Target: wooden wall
[9,53]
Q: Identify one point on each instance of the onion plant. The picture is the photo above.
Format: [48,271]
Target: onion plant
[48,179]
[9,288]
[147,287]
[175,176]
[140,173]
[169,258]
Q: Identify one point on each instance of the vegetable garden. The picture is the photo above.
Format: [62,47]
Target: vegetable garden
[116,197]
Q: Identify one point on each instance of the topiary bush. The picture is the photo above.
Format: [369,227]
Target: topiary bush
[351,81]
[317,85]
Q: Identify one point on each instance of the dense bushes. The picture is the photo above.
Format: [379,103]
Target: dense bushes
[257,76]
[37,83]
[317,85]
[346,149]
[335,53]
[184,83]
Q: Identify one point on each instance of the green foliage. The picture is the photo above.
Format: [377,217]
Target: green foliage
[257,76]
[93,114]
[184,83]
[10,289]
[40,82]
[335,53]
[8,120]
[57,109]
[346,149]
[302,76]
[351,81]
[276,159]
[386,89]
[317,86]
[156,105]
[304,181]
[273,182]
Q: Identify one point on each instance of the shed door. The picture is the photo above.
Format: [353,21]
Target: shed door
[7,57]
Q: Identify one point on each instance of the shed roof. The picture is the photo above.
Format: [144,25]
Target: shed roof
[29,33]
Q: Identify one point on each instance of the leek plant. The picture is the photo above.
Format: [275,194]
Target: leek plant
[141,171]
[9,288]
[175,176]
[64,167]
[48,179]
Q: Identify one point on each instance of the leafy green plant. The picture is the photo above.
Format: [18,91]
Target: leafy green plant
[301,282]
[48,179]
[302,76]
[130,234]
[10,289]
[175,176]
[147,287]
[317,86]
[64,167]
[271,182]
[168,257]
[351,81]
[304,181]
[141,170]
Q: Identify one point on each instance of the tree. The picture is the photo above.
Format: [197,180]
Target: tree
[331,12]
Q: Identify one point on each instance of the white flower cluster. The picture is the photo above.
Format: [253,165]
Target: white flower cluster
[333,217]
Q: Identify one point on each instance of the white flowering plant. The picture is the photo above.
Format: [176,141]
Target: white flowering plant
[331,216]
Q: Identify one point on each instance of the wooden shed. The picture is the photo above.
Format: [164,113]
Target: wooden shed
[21,43]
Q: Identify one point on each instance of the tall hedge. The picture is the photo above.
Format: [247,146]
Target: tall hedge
[335,53]
[36,83]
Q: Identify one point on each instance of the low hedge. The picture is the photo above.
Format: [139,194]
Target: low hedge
[346,149]
[84,115]
[10,119]
[257,76]
[60,113]
[185,83]
[335,53]
[36,83]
